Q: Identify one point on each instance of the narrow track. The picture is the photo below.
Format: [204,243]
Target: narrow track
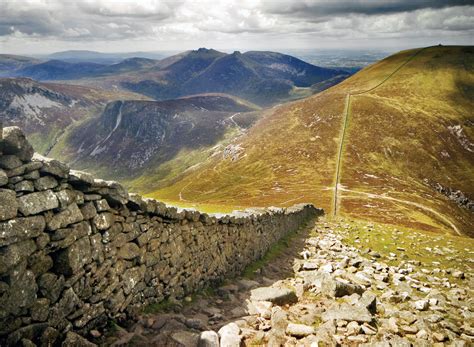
[346,121]
[407,202]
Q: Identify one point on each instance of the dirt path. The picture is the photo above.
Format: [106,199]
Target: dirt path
[407,202]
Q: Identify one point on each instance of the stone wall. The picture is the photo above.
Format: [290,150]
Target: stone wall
[75,250]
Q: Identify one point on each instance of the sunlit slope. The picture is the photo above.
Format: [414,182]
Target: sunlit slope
[409,126]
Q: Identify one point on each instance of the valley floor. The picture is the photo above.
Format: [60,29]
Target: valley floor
[340,282]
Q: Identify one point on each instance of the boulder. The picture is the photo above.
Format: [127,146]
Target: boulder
[185,338]
[229,335]
[15,142]
[279,296]
[38,202]
[8,204]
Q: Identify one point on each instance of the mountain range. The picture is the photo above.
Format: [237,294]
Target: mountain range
[264,78]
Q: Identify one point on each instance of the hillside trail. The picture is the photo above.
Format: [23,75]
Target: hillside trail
[407,202]
[345,122]
[339,160]
[315,287]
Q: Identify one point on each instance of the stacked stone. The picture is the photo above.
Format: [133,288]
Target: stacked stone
[75,250]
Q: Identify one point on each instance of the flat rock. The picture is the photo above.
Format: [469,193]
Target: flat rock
[8,204]
[348,313]
[38,202]
[279,296]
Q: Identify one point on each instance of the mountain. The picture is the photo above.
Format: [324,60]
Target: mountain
[132,138]
[46,110]
[84,56]
[264,78]
[392,144]
[9,63]
[59,70]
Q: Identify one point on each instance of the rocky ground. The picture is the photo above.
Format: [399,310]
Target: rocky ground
[327,288]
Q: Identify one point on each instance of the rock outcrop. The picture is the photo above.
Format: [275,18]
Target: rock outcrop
[75,250]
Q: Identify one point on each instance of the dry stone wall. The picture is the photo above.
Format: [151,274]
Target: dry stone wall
[75,250]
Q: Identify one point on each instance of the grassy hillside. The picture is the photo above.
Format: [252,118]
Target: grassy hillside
[394,131]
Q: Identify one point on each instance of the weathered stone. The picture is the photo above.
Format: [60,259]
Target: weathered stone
[35,203]
[348,313]
[369,301]
[24,186]
[28,332]
[39,263]
[15,142]
[75,340]
[229,335]
[67,197]
[52,166]
[22,293]
[185,338]
[46,182]
[129,251]
[51,286]
[40,310]
[102,205]
[279,296]
[10,162]
[3,178]
[88,210]
[421,305]
[299,330]
[337,288]
[15,253]
[72,214]
[49,337]
[104,220]
[208,339]
[20,229]
[80,177]
[8,204]
[131,277]
[71,259]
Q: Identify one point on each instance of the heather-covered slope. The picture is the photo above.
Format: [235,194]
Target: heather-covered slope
[402,143]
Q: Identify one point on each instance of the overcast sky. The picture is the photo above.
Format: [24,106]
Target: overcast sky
[43,26]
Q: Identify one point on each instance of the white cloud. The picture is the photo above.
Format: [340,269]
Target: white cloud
[254,24]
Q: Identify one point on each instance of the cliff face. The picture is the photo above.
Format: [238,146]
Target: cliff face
[75,250]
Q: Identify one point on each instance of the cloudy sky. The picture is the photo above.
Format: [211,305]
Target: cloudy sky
[43,26]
